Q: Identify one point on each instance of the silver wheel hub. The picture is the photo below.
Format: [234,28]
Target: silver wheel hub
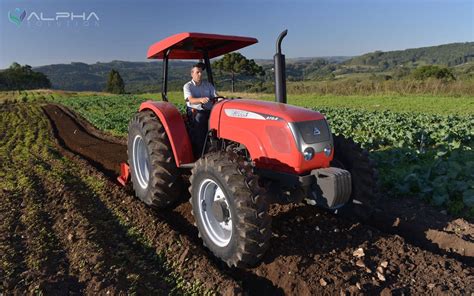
[141,163]
[214,212]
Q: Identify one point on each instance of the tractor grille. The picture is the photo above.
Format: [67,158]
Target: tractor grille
[314,131]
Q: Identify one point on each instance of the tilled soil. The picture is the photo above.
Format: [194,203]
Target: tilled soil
[408,249]
[66,229]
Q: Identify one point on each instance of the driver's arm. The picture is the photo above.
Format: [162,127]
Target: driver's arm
[193,100]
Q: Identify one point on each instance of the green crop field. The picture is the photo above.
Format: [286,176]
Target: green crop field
[422,145]
[427,154]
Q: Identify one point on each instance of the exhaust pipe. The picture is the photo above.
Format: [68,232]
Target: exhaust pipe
[280,71]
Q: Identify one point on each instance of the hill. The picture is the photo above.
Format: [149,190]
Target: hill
[138,76]
[446,55]
[146,76]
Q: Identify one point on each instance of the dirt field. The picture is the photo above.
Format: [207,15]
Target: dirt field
[67,226]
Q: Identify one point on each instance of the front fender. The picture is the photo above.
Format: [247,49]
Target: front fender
[174,126]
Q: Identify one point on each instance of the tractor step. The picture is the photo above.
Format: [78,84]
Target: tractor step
[187,166]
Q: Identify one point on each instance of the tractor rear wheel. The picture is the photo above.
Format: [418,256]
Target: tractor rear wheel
[350,156]
[230,209]
[155,177]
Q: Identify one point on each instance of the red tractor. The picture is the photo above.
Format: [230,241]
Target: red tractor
[255,153]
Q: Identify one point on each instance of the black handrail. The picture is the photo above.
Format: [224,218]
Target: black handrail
[164,93]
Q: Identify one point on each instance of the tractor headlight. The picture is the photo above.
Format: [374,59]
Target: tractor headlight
[327,150]
[312,137]
[308,153]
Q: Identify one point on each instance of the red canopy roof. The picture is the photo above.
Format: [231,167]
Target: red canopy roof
[191,45]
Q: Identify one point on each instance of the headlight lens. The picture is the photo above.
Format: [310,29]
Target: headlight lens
[308,153]
[327,150]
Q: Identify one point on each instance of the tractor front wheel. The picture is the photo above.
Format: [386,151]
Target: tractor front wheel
[230,209]
[155,177]
[350,156]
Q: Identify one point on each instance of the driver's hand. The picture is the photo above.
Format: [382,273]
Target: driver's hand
[204,100]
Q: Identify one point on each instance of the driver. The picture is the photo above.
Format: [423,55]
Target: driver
[197,94]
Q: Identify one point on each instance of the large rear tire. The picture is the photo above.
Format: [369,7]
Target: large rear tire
[230,209]
[350,156]
[155,177]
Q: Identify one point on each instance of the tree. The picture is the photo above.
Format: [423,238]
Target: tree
[18,77]
[431,71]
[115,83]
[235,63]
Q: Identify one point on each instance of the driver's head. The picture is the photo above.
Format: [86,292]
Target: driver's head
[196,72]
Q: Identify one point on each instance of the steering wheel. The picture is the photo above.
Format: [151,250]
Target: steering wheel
[214,100]
[217,99]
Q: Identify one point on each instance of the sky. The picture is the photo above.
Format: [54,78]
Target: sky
[125,29]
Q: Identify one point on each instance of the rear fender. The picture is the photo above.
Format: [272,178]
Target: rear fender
[174,126]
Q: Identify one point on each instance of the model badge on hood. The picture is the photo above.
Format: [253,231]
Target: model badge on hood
[249,115]
[316,131]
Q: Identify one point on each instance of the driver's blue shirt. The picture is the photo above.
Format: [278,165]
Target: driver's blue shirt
[204,89]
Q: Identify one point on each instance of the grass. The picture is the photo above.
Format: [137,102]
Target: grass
[429,104]
[443,105]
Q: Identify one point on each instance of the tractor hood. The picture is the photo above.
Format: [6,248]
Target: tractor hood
[263,110]
[278,136]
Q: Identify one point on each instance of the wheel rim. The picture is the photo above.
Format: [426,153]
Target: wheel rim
[211,197]
[141,163]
